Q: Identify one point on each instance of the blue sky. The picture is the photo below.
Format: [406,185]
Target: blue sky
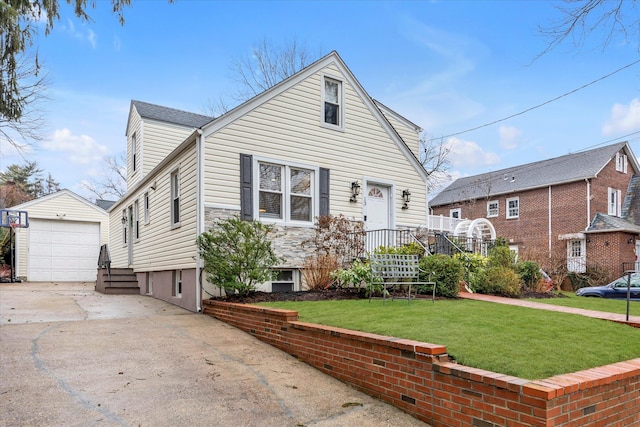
[446,65]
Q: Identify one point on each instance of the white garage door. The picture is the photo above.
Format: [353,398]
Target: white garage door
[63,251]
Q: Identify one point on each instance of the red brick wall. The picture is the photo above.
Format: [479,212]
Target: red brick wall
[610,251]
[418,378]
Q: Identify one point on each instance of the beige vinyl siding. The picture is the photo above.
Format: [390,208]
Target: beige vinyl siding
[135,127]
[160,139]
[364,149]
[22,237]
[70,208]
[408,134]
[161,247]
[73,210]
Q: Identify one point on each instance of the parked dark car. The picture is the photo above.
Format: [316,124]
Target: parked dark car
[615,289]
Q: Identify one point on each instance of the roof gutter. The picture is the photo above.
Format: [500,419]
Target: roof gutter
[199,214]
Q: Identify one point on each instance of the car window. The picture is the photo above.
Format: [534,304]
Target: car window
[634,284]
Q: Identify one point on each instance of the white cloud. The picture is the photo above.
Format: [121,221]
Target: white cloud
[83,33]
[623,119]
[80,149]
[468,154]
[510,136]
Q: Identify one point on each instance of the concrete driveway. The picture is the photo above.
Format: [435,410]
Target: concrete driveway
[72,357]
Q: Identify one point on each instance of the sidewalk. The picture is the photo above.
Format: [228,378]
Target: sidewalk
[619,318]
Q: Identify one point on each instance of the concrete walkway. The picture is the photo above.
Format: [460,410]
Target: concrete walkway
[72,357]
[619,318]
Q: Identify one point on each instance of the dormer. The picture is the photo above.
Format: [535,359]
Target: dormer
[153,131]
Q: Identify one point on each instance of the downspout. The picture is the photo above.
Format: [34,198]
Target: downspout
[199,214]
[588,202]
[549,226]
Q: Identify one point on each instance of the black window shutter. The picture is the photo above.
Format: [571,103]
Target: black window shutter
[324,191]
[246,187]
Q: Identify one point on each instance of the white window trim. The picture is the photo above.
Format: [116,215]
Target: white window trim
[497,213]
[452,211]
[614,202]
[508,211]
[621,162]
[178,285]
[136,221]
[124,228]
[134,154]
[175,172]
[341,108]
[146,203]
[315,197]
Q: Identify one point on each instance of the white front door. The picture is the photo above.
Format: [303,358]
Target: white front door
[377,216]
[130,234]
[576,256]
[637,267]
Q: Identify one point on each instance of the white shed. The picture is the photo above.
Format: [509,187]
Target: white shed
[63,240]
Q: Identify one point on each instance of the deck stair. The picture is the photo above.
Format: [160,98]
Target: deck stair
[117,281]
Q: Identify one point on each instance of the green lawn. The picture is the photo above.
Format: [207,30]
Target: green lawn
[527,343]
[590,303]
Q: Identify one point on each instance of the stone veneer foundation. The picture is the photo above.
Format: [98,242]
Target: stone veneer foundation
[419,378]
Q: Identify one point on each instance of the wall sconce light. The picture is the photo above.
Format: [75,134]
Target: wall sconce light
[355,190]
[124,219]
[406,196]
[153,185]
[630,241]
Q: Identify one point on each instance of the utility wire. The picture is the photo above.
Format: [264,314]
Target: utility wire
[539,105]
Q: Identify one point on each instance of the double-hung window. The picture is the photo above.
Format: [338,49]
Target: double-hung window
[492,209]
[146,204]
[136,221]
[615,202]
[134,149]
[175,198]
[621,162]
[332,111]
[286,193]
[513,208]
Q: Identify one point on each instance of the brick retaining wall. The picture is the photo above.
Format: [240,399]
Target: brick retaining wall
[419,378]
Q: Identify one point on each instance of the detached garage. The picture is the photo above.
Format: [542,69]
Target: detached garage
[63,240]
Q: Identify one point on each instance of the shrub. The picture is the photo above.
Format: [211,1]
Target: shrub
[446,271]
[359,275]
[501,281]
[530,274]
[412,248]
[338,236]
[237,254]
[317,270]
[501,256]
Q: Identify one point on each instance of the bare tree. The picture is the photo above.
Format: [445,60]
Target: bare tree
[114,182]
[21,132]
[266,66]
[434,159]
[581,18]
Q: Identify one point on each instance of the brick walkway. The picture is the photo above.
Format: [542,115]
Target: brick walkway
[619,318]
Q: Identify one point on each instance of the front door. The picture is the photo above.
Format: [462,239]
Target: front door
[378,216]
[637,267]
[576,256]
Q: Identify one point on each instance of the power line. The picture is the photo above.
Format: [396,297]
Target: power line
[540,105]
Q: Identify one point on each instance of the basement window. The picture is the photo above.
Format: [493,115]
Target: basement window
[284,281]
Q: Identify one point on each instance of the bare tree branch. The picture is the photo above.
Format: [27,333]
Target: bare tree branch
[434,159]
[114,183]
[581,18]
[21,133]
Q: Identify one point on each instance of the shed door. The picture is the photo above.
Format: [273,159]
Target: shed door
[65,251]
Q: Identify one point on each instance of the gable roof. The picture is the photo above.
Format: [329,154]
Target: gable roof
[332,58]
[168,115]
[26,205]
[568,168]
[105,204]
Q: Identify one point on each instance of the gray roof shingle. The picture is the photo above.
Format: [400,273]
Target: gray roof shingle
[603,222]
[171,115]
[567,168]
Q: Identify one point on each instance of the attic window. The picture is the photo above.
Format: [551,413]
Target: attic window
[621,162]
[332,109]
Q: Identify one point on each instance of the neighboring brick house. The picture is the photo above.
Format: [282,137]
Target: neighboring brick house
[582,207]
